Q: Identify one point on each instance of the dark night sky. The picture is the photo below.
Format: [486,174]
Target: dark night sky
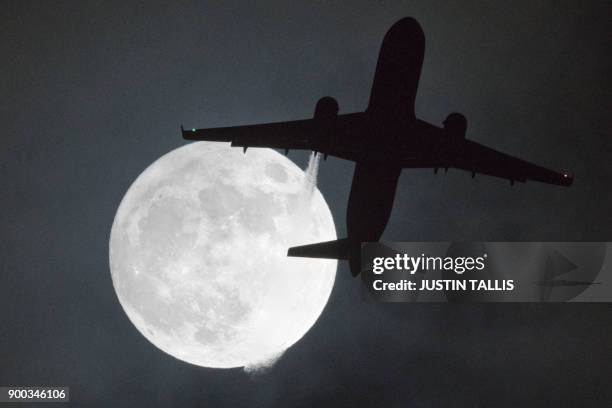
[94,91]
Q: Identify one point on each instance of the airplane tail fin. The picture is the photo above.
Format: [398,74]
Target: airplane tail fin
[338,249]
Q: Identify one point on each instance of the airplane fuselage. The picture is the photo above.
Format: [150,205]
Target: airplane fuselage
[371,200]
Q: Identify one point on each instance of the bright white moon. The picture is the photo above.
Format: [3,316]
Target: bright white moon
[198,254]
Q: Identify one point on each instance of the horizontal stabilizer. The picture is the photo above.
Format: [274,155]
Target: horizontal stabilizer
[338,249]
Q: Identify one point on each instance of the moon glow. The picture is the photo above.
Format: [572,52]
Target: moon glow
[198,248]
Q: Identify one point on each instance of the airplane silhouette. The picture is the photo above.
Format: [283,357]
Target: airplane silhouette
[383,140]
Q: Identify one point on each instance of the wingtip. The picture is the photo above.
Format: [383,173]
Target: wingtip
[188,134]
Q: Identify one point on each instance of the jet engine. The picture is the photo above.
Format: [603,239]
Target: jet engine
[325,114]
[455,125]
[327,108]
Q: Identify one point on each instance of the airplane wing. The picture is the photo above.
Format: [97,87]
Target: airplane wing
[476,158]
[327,137]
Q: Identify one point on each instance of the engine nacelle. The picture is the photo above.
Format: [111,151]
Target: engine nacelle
[455,125]
[326,109]
[325,114]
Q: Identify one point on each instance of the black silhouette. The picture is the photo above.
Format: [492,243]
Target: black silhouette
[382,141]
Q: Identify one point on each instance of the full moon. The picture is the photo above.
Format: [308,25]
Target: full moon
[198,254]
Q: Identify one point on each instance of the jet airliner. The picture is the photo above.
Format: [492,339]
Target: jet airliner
[384,139]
